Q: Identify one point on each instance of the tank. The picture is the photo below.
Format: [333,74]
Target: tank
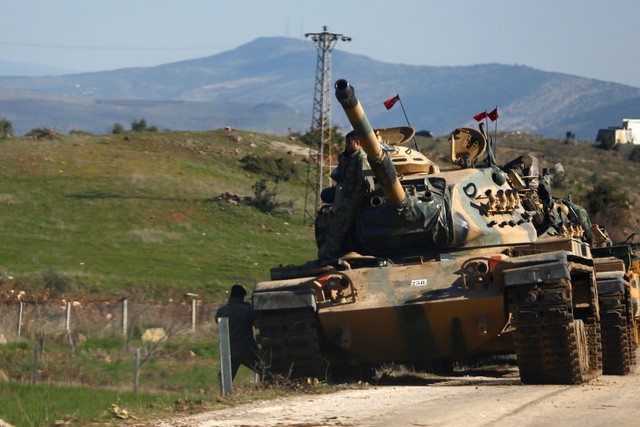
[441,265]
[618,281]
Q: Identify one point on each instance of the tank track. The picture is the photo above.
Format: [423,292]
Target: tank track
[290,344]
[618,343]
[631,333]
[552,347]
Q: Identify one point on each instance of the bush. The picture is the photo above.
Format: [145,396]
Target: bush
[609,207]
[117,128]
[79,132]
[6,129]
[41,133]
[55,283]
[607,143]
[141,126]
[606,195]
[265,199]
[277,168]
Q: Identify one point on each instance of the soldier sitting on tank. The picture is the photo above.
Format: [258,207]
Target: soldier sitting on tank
[527,167]
[348,194]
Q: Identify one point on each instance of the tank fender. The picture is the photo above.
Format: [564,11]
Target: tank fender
[537,273]
[610,282]
[280,300]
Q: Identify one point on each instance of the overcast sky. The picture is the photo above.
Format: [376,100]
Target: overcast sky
[590,38]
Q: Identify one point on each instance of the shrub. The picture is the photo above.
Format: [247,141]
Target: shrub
[277,168]
[41,133]
[608,142]
[609,207]
[141,126]
[265,199]
[79,132]
[6,129]
[117,128]
[313,138]
[55,283]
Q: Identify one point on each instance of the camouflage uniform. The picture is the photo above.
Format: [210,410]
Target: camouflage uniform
[350,192]
[244,350]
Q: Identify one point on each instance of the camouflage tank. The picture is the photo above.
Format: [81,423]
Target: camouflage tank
[441,265]
[618,280]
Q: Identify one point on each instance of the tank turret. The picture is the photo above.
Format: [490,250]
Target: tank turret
[413,210]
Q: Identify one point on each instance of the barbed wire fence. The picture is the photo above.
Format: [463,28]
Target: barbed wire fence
[152,323]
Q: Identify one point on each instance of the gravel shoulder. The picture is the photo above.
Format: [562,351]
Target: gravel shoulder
[460,401]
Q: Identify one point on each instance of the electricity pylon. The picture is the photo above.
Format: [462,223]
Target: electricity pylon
[321,120]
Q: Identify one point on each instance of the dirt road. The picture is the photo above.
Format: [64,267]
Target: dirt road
[444,401]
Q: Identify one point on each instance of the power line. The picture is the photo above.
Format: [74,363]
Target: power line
[94,47]
[321,120]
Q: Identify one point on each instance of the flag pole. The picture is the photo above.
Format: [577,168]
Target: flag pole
[495,133]
[407,119]
[490,152]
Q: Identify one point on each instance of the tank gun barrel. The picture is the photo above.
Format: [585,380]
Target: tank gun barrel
[379,160]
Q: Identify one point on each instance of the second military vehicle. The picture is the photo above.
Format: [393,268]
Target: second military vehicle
[442,265]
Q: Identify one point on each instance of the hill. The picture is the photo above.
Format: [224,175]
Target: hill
[105,215]
[267,85]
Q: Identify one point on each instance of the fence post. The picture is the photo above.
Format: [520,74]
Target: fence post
[35,363]
[124,317]
[193,315]
[67,325]
[136,373]
[20,309]
[225,356]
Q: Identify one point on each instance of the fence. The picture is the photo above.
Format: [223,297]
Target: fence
[100,319]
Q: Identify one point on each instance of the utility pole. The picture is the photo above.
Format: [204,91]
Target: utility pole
[321,121]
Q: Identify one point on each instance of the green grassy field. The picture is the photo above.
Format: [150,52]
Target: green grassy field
[115,212]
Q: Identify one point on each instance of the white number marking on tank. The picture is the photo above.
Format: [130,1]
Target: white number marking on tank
[419,282]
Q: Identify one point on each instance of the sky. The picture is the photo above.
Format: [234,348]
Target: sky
[589,38]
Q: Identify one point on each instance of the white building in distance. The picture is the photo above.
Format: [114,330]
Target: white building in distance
[629,133]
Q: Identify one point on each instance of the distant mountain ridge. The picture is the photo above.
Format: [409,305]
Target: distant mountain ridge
[267,85]
[17,68]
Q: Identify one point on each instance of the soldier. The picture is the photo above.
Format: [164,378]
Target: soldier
[350,191]
[244,350]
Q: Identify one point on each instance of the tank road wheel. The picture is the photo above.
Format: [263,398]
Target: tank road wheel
[289,343]
[618,348]
[552,347]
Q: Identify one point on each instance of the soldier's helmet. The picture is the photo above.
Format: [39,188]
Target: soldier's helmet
[238,291]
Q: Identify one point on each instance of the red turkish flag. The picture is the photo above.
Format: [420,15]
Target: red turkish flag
[493,115]
[480,116]
[389,103]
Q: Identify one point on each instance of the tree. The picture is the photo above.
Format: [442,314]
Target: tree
[265,199]
[139,125]
[609,207]
[312,139]
[6,128]
[117,128]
